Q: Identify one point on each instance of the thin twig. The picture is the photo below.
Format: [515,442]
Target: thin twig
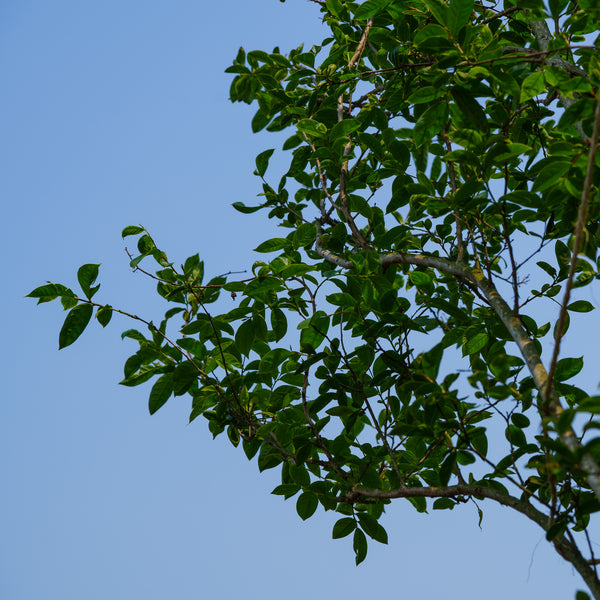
[502,13]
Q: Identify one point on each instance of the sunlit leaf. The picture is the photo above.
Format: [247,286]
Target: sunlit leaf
[533,85]
[132,230]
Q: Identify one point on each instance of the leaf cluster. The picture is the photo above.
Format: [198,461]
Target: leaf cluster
[394,319]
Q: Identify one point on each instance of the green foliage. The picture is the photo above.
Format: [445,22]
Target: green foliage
[435,150]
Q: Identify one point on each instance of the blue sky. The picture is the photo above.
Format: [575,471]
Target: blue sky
[117,113]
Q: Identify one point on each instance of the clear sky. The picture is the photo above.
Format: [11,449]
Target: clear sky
[115,113]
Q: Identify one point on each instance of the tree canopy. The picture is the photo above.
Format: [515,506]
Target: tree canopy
[397,340]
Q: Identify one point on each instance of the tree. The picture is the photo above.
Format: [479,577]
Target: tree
[442,190]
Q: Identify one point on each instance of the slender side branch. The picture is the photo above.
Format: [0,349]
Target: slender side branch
[544,56]
[361,45]
[315,432]
[566,548]
[452,491]
[358,236]
[579,231]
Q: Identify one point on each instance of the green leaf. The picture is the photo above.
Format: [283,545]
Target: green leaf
[370,8]
[262,161]
[268,458]
[581,306]
[567,368]
[431,361]
[286,489]
[68,301]
[306,505]
[563,254]
[359,544]
[104,315]
[312,128]
[520,420]
[549,269]
[251,447]
[476,343]
[132,364]
[439,9]
[594,69]
[184,375]
[464,458]
[446,469]
[260,120]
[145,245]
[260,327]
[550,174]
[420,279]
[499,366]
[469,107]
[372,528]
[515,435]
[244,337]
[533,85]
[161,392]
[86,275]
[49,292]
[443,504]
[425,94]
[273,245]
[240,207]
[336,8]
[459,13]
[343,527]
[134,262]
[132,230]
[138,378]
[430,123]
[261,285]
[556,7]
[313,331]
[134,334]
[566,324]
[305,235]
[300,475]
[343,128]
[233,435]
[478,440]
[278,323]
[292,142]
[193,269]
[75,322]
[556,529]
[591,404]
[341,299]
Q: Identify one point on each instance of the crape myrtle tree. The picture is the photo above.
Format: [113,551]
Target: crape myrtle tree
[401,338]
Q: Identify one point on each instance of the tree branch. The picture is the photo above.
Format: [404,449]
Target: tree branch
[512,323]
[566,548]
